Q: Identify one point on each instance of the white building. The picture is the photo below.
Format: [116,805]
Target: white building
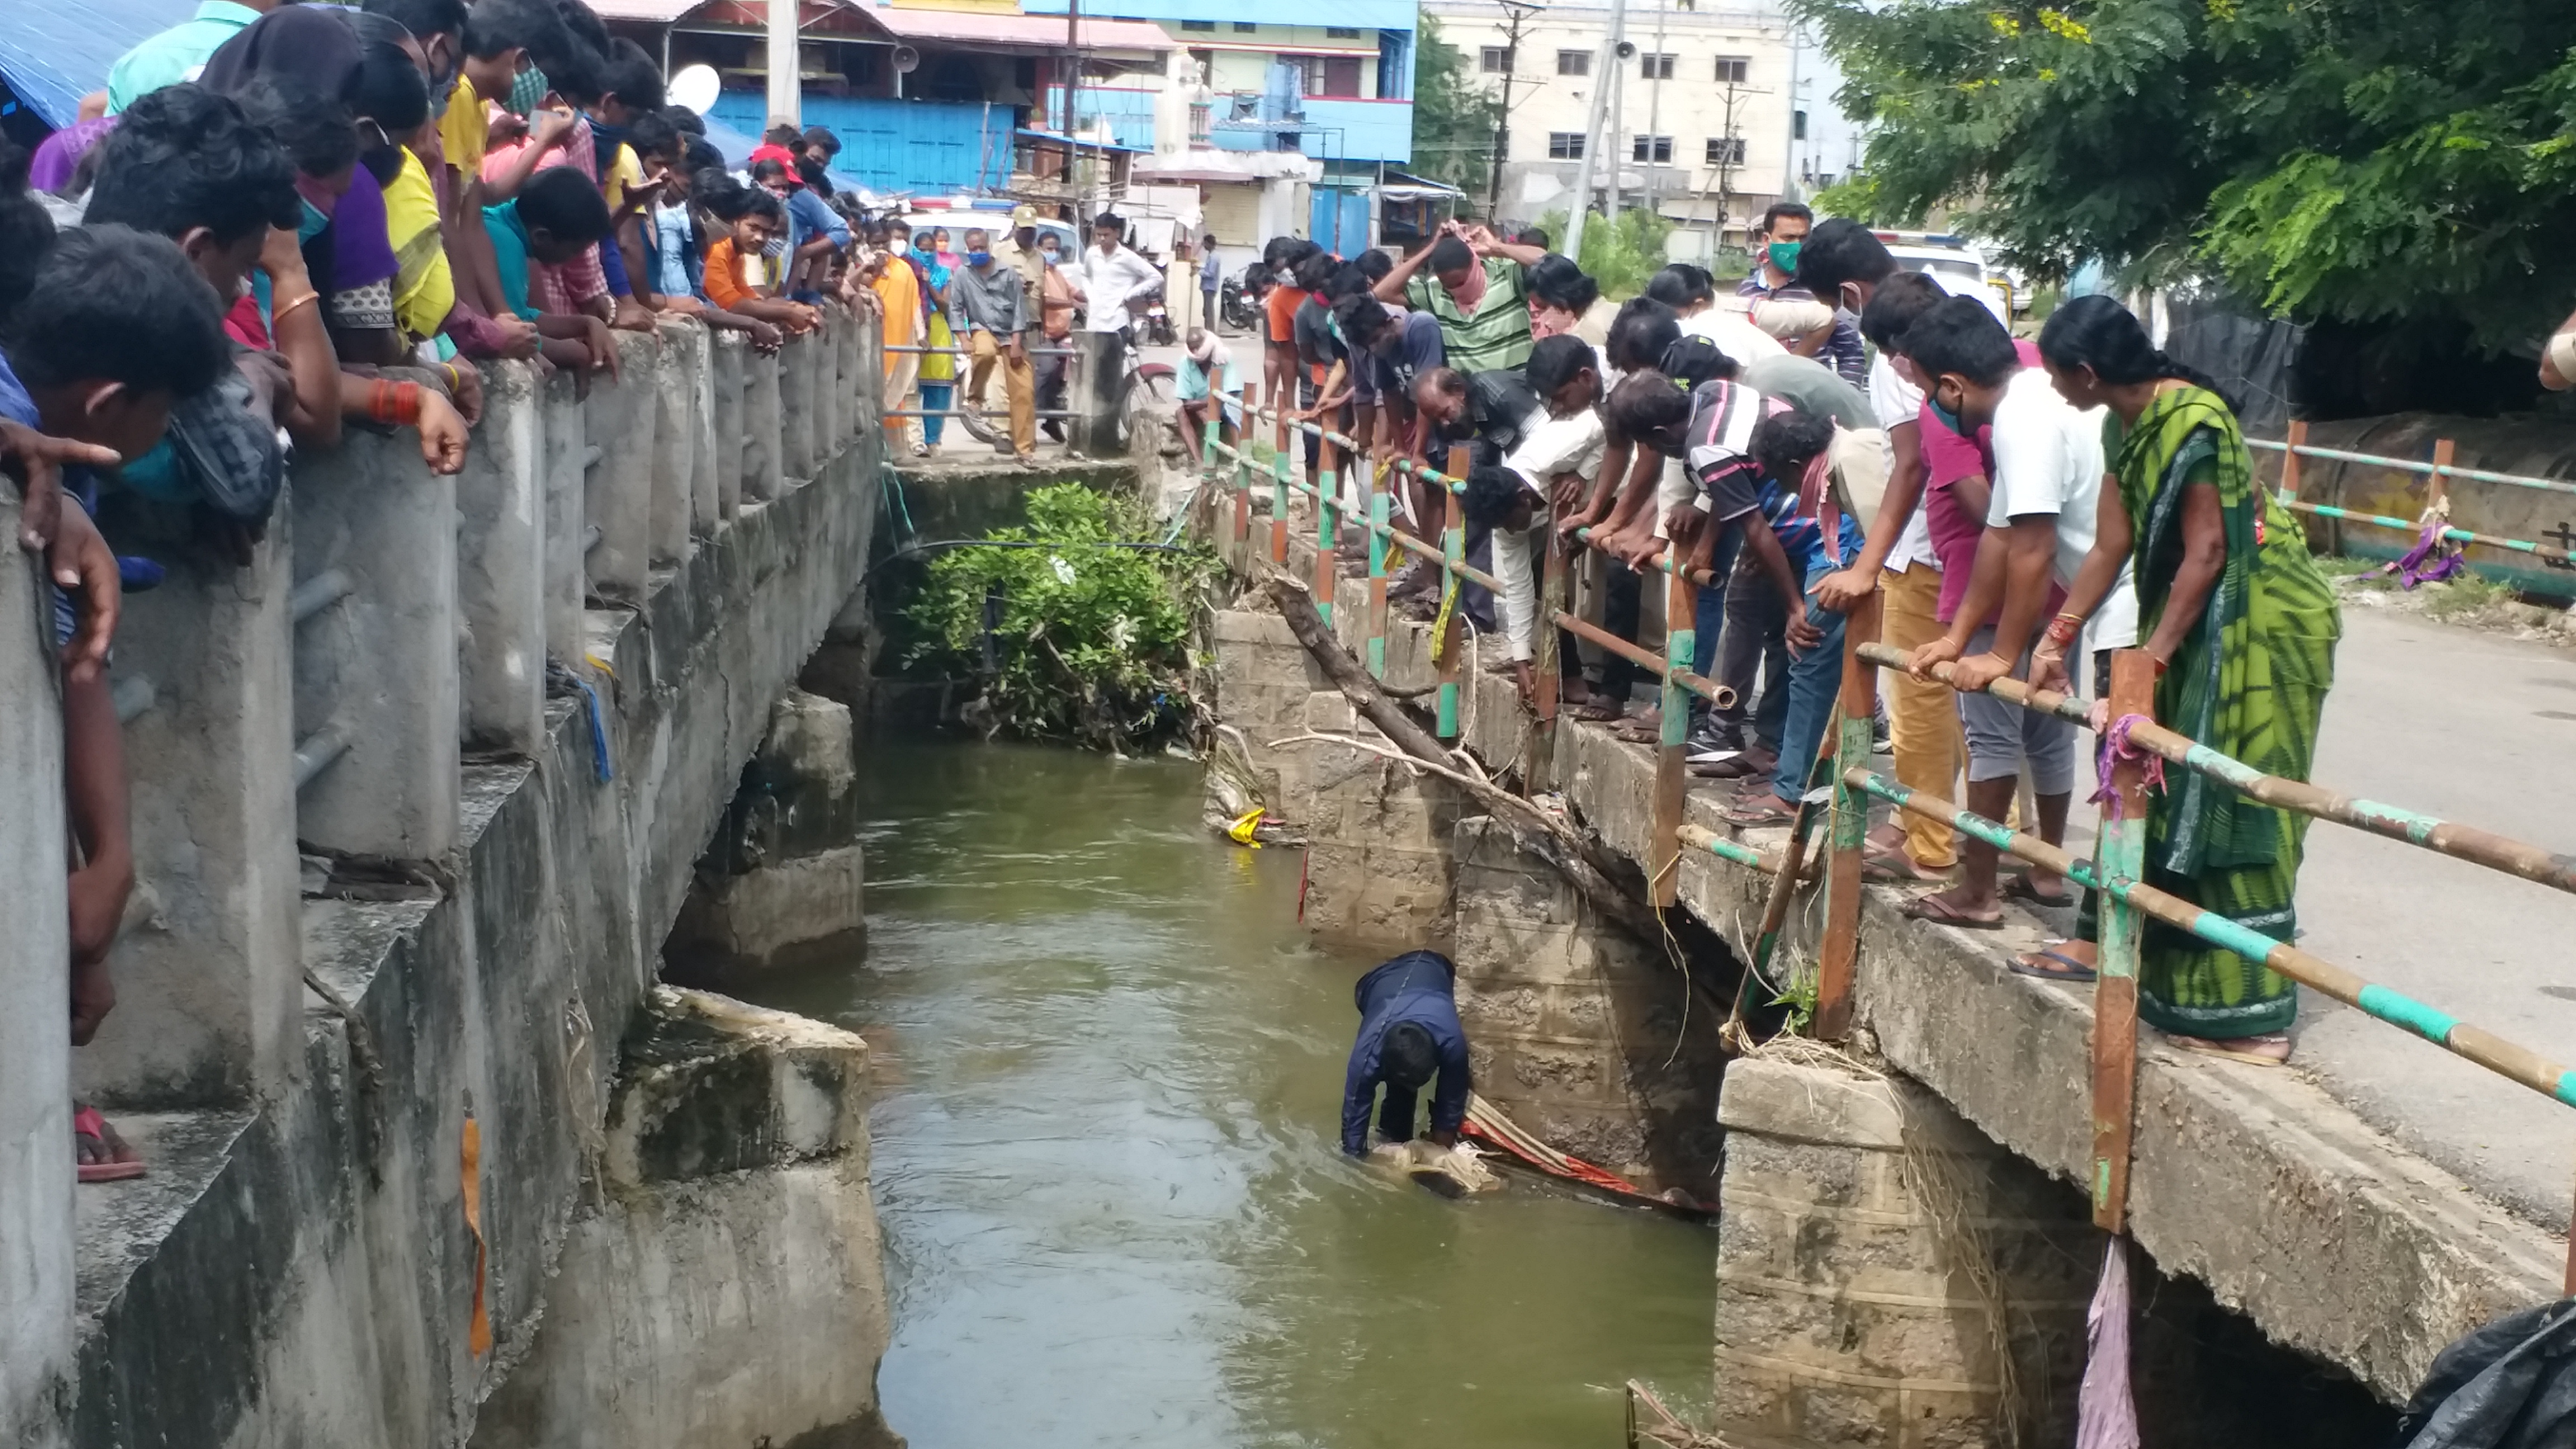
[1700,116]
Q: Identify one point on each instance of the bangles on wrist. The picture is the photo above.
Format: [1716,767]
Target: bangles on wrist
[396,404]
[2063,629]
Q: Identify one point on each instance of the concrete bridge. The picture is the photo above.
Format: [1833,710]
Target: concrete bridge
[2361,1209]
[402,891]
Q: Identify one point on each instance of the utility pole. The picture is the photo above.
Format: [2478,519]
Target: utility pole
[786,83]
[1620,54]
[1073,88]
[1603,75]
[1515,14]
[1789,147]
[1655,104]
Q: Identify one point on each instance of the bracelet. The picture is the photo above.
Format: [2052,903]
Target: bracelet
[380,401]
[453,381]
[2063,629]
[406,404]
[279,312]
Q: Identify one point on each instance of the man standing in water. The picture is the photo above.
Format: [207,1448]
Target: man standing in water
[1409,1034]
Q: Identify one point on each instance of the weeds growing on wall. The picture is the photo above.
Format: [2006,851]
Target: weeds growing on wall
[1075,638]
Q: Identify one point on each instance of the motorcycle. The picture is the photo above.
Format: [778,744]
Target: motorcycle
[1157,321]
[1240,303]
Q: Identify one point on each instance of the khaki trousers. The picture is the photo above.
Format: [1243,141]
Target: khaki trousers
[1922,715]
[1019,388]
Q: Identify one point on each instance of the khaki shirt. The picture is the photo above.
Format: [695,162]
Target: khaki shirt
[1030,266]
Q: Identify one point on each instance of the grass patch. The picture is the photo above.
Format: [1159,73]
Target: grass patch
[2465,598]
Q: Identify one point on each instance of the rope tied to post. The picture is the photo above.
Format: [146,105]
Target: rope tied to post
[2118,749]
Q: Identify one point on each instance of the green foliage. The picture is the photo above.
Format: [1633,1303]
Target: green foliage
[1453,119]
[2344,159]
[1619,255]
[1093,640]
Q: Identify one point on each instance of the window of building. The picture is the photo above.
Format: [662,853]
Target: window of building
[1198,25]
[1327,75]
[1336,32]
[1657,149]
[1732,68]
[1495,60]
[1574,62]
[1656,65]
[1565,145]
[1247,27]
[1726,150]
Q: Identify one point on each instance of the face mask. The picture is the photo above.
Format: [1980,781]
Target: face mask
[527,90]
[1050,257]
[1784,255]
[979,260]
[1945,417]
[310,224]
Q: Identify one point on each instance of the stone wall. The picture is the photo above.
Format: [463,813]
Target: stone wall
[487,888]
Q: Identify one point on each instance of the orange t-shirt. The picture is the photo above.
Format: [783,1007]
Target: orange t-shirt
[1282,304]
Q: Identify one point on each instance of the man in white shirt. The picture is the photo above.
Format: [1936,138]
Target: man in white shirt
[1843,262]
[1116,281]
[1556,460]
[2046,485]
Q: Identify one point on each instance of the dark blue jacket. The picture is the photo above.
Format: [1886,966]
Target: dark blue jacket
[1418,987]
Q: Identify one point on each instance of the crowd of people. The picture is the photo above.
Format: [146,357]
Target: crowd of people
[279,223]
[1838,430]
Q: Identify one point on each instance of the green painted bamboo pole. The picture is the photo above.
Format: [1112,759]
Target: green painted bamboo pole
[2516,1063]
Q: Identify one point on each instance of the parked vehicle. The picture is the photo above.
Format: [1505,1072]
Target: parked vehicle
[1239,305]
[1953,257]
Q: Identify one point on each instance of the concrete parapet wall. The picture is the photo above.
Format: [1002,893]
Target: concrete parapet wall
[301,1265]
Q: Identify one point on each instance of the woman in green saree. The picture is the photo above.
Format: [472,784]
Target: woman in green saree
[2243,627]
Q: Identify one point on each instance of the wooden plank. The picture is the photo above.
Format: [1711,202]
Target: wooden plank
[2121,853]
[1840,949]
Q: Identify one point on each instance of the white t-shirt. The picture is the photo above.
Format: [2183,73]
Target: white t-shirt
[1734,334]
[1898,403]
[1552,446]
[2048,460]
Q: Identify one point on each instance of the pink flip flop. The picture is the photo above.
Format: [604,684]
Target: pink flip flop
[86,1122]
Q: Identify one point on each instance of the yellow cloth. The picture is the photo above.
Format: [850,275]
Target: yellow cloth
[465,131]
[623,172]
[424,289]
[1922,715]
[899,302]
[940,364]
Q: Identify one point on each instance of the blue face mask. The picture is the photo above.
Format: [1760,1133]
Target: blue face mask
[979,259]
[310,225]
[1944,416]
[1050,258]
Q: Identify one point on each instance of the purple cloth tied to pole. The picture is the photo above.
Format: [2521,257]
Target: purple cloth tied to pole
[2117,746]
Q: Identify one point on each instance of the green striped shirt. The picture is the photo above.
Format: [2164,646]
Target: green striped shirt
[1497,336]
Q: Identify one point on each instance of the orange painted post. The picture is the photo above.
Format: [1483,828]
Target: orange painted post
[1840,950]
[1538,766]
[1379,547]
[2438,488]
[1672,777]
[2290,460]
[2121,857]
[1242,530]
[1450,645]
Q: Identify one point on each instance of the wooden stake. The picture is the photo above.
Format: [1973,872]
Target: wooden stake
[2121,852]
[1453,550]
[2437,488]
[2290,460]
[1380,517]
[1840,949]
[1672,777]
[1328,530]
[1285,395]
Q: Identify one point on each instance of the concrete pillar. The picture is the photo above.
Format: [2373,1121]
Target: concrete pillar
[35,1048]
[1378,865]
[209,995]
[621,422]
[1585,1036]
[796,365]
[1885,1272]
[566,532]
[736,1233]
[677,427]
[501,565]
[375,676]
[706,501]
[785,872]
[1099,372]
[831,408]
[763,463]
[726,431]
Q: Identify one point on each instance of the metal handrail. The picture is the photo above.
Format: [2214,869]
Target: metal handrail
[2410,465]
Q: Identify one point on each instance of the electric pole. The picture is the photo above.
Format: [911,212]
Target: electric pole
[1620,54]
[1515,14]
[786,81]
[1605,75]
[1073,88]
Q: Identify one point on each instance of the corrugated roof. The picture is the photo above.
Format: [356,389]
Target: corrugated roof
[53,54]
[1031,32]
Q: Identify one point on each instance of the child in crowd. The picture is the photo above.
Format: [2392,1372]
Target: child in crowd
[741,275]
[557,218]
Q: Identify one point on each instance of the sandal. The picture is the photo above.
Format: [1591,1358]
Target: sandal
[2019,888]
[2252,1051]
[1596,713]
[1894,867]
[2049,964]
[1753,811]
[116,1162]
[1934,909]
[1733,767]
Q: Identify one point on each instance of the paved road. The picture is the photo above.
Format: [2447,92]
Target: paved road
[2481,729]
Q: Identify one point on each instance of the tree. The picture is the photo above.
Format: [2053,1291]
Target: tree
[2376,162]
[1453,120]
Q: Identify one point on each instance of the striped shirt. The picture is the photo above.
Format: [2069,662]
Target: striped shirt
[1497,336]
[1720,458]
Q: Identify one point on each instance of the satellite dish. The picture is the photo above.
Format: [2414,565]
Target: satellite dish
[694,87]
[906,60]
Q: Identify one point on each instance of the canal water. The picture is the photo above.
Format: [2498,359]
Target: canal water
[1110,1072]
